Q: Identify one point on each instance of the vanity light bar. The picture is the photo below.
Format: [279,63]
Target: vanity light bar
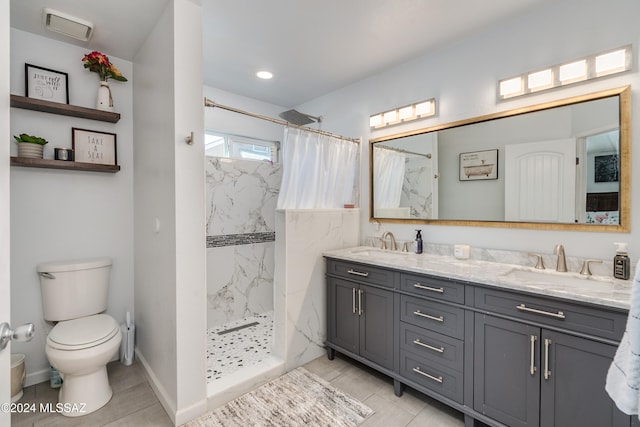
[419,110]
[592,67]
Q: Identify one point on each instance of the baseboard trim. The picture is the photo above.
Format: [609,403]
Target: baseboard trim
[37,377]
[157,388]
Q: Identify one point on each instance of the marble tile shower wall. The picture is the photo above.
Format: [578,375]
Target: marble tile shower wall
[241,203]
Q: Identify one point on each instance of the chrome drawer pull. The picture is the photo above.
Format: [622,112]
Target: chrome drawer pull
[419,313]
[353,299]
[547,372]
[428,288]
[357,273]
[558,315]
[532,367]
[420,343]
[431,377]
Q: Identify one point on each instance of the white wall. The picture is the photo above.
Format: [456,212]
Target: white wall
[5,417]
[463,77]
[61,214]
[169,211]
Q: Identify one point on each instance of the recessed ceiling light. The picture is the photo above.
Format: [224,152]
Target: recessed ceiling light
[265,75]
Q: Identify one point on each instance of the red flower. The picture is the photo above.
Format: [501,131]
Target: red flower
[99,63]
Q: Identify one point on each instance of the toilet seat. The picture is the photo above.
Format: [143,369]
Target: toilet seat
[84,332]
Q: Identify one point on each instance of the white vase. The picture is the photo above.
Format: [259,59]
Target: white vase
[105,101]
[29,149]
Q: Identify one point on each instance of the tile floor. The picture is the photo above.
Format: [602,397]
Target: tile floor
[235,345]
[134,404]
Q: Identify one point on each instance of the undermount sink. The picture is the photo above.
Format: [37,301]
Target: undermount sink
[375,251]
[555,278]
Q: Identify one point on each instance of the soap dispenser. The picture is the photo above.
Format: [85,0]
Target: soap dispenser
[419,242]
[621,262]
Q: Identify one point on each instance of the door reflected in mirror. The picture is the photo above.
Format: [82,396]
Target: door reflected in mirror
[561,165]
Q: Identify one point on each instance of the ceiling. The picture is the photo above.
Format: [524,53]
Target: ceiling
[311,47]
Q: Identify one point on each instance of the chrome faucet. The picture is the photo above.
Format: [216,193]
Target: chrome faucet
[394,245]
[561,265]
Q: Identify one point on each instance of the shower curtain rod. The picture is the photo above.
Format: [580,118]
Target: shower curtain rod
[428,155]
[210,103]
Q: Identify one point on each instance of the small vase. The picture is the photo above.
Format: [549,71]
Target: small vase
[105,101]
[29,149]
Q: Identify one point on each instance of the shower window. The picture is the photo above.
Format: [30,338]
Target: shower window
[219,144]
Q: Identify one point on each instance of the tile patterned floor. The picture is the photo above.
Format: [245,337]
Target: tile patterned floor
[135,405]
[232,346]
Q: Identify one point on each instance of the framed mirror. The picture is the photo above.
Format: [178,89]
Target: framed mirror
[559,165]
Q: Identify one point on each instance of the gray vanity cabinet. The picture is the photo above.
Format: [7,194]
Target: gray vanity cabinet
[506,371]
[526,374]
[573,393]
[360,317]
[500,356]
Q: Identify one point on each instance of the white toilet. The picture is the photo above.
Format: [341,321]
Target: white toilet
[74,294]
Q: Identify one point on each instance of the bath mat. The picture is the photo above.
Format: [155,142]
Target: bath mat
[296,399]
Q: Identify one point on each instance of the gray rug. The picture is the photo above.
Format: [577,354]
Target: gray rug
[298,398]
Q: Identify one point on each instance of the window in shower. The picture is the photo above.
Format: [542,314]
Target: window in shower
[218,144]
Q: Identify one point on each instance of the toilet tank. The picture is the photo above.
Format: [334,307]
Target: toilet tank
[72,289]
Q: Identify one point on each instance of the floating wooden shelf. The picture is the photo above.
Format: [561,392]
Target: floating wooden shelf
[63,109]
[31,162]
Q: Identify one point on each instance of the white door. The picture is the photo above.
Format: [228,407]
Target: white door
[540,181]
[5,297]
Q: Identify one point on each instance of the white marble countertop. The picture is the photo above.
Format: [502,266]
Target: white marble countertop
[599,290]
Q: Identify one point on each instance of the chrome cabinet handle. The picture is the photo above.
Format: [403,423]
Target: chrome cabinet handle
[47,275]
[431,377]
[532,367]
[547,372]
[357,273]
[428,288]
[421,314]
[353,299]
[558,315]
[360,310]
[421,344]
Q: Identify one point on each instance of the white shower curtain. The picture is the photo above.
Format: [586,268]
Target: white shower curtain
[388,170]
[318,171]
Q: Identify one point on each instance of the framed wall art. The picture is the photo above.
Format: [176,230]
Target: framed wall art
[606,168]
[479,165]
[46,84]
[90,146]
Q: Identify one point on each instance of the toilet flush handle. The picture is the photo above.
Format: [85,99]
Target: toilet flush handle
[47,275]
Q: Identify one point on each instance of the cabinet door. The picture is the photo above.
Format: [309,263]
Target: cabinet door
[572,392]
[506,371]
[343,314]
[376,325]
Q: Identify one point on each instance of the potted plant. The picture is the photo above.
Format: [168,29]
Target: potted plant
[30,146]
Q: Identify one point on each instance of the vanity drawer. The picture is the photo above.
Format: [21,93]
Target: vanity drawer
[433,287]
[432,315]
[429,345]
[589,320]
[432,376]
[361,272]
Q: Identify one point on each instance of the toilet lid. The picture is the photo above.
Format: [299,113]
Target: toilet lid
[83,332]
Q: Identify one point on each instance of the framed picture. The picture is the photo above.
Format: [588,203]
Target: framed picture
[479,165]
[606,168]
[90,146]
[43,83]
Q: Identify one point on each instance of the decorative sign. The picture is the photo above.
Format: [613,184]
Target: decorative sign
[49,85]
[90,146]
[479,165]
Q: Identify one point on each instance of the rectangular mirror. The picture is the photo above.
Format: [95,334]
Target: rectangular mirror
[558,165]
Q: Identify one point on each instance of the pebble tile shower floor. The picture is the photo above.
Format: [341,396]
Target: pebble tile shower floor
[238,344]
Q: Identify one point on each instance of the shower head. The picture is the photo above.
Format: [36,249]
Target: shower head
[298,118]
